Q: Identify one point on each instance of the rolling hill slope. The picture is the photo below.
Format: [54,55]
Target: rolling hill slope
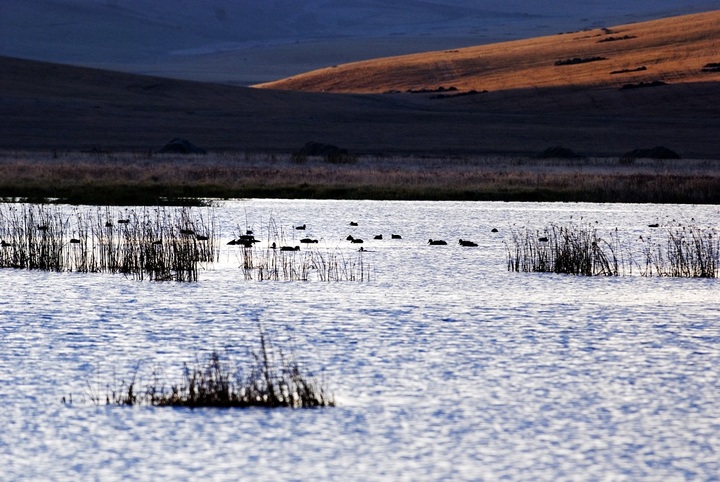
[531,103]
[671,50]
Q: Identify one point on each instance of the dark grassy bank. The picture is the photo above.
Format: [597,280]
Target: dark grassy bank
[142,179]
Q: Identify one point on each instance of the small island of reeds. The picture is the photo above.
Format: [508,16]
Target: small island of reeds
[676,251]
[268,379]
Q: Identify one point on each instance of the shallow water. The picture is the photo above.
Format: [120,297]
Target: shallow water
[445,366]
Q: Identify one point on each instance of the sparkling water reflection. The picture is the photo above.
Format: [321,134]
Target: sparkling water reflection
[445,366]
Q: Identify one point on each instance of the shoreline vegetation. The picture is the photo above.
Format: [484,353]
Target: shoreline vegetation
[149,178]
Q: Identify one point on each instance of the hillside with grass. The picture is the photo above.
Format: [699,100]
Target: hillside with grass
[672,50]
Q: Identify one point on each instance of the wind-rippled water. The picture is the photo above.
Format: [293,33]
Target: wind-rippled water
[445,366]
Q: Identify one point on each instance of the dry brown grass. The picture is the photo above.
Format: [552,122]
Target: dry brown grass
[133,178]
[672,50]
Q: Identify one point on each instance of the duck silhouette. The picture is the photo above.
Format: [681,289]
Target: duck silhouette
[437,242]
[308,240]
[349,238]
[301,228]
[379,236]
[357,241]
[396,236]
[353,223]
[290,248]
[466,243]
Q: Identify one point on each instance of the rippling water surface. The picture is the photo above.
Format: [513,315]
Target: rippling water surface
[445,366]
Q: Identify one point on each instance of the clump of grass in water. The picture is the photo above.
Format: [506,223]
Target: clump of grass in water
[688,252]
[164,245]
[576,250]
[302,265]
[273,264]
[269,384]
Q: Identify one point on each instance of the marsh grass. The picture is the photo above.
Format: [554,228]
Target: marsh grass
[577,250]
[269,379]
[308,263]
[311,263]
[267,264]
[124,178]
[686,251]
[679,251]
[159,244]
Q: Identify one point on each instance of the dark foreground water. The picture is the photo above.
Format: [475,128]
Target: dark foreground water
[445,366]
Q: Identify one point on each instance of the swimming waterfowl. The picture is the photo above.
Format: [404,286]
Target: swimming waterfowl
[437,242]
[543,239]
[290,248]
[357,241]
[494,230]
[396,236]
[308,240]
[379,236]
[353,223]
[466,243]
[349,238]
[301,228]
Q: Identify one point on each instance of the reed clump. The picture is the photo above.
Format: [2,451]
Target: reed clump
[281,260]
[272,380]
[577,250]
[686,252]
[679,251]
[159,244]
[273,264]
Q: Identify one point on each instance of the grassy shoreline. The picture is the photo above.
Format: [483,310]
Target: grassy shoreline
[147,178]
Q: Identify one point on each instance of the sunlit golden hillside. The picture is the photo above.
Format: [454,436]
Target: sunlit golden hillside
[672,50]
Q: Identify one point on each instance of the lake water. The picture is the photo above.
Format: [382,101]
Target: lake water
[444,366]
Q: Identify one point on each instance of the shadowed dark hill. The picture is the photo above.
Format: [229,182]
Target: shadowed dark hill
[47,106]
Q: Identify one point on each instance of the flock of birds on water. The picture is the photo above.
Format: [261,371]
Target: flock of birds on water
[248,240]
